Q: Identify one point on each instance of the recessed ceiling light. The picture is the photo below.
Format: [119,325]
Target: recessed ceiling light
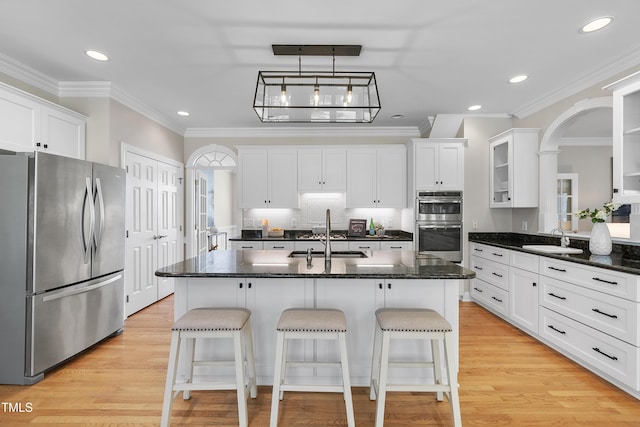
[397,116]
[183,113]
[518,79]
[474,107]
[596,24]
[98,56]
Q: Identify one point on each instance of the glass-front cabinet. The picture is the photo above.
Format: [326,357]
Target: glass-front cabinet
[567,194]
[513,162]
[626,139]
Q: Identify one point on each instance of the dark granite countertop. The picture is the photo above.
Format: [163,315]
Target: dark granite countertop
[294,235]
[274,264]
[623,258]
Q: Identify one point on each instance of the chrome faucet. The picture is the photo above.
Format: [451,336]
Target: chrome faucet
[564,240]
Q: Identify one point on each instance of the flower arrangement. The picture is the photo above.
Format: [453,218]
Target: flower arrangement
[598,215]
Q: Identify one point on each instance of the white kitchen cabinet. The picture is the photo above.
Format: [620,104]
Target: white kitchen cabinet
[377,177]
[438,164]
[322,170]
[513,163]
[268,178]
[277,245]
[390,245]
[28,123]
[239,245]
[490,287]
[523,290]
[626,139]
[364,245]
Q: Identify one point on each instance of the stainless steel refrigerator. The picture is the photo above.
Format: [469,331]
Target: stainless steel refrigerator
[61,260]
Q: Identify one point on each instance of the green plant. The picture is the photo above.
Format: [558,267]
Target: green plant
[598,215]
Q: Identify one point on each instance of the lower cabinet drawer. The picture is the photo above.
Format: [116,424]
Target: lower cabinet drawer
[492,272]
[490,296]
[611,356]
[612,315]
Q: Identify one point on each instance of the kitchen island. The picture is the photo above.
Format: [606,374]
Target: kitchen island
[268,282]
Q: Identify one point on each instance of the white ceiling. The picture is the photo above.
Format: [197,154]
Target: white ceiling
[429,56]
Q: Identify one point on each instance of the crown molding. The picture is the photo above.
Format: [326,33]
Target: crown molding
[627,60]
[403,131]
[105,89]
[26,74]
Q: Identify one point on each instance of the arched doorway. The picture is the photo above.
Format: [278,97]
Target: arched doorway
[548,160]
[213,165]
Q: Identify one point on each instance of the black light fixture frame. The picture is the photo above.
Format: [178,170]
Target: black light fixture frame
[271,82]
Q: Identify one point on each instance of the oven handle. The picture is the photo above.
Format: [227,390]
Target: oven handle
[432,226]
[439,201]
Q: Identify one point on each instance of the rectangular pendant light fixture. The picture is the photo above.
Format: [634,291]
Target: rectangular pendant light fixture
[316,96]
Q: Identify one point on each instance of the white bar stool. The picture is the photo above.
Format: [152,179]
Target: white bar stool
[414,324]
[202,323]
[302,323]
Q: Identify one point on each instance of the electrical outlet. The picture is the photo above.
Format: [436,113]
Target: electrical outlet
[524,225]
[474,224]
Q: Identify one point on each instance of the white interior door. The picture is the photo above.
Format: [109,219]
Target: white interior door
[169,223]
[201,212]
[141,223]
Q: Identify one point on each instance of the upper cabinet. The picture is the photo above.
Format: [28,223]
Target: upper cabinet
[28,123]
[268,177]
[322,170]
[377,177]
[513,162]
[438,164]
[626,139]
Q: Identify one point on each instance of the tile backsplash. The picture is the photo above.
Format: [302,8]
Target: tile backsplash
[312,212]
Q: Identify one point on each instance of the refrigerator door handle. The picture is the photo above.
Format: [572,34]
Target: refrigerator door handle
[98,233]
[66,293]
[87,240]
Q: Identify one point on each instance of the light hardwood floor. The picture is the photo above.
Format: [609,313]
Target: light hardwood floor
[506,379]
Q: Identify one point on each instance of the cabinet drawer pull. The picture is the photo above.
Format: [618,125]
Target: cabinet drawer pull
[597,350]
[240,285]
[478,268]
[496,274]
[497,299]
[477,289]
[613,316]
[493,253]
[247,247]
[562,270]
[477,250]
[249,285]
[278,247]
[557,330]
[604,281]
[551,294]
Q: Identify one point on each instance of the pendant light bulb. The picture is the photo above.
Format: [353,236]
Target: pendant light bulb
[283,93]
[349,92]
[316,93]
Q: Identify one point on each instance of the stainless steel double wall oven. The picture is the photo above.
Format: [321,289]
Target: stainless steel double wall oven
[439,224]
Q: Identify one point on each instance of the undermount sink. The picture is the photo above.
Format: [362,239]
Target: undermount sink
[552,249]
[334,254]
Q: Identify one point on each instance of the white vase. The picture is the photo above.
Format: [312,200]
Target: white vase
[600,241]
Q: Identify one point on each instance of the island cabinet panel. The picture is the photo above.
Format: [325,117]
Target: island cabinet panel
[358,299]
[267,298]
